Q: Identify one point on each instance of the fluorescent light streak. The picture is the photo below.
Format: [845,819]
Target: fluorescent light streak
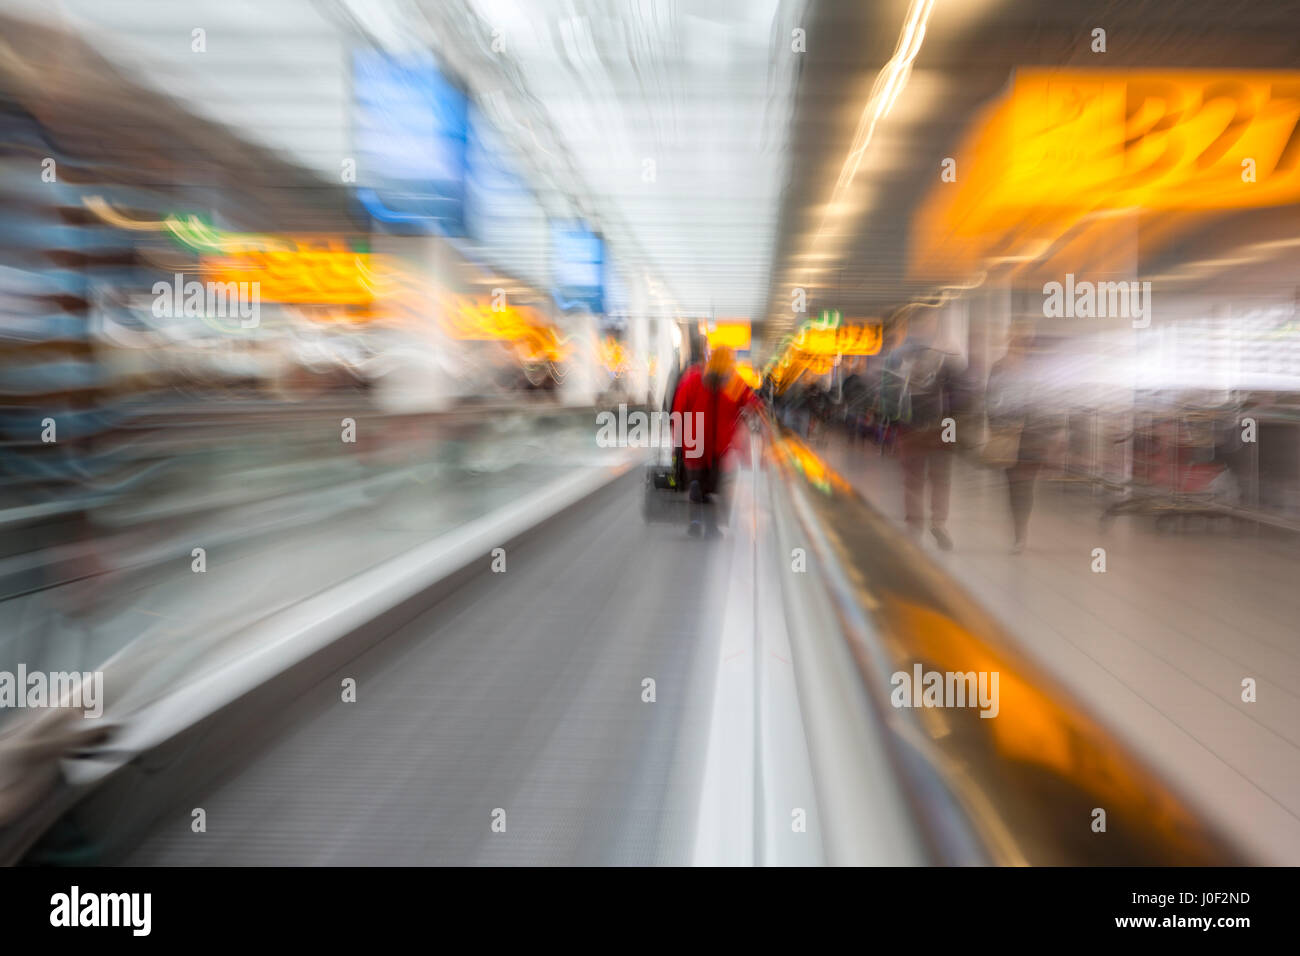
[884,94]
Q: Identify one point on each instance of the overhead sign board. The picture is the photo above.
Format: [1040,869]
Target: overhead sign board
[735,334]
[410,128]
[854,337]
[1063,145]
[578,257]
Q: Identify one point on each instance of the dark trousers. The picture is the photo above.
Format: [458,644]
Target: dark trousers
[702,485]
[924,455]
[1020,492]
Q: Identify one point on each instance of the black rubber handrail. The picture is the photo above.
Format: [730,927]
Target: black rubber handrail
[1021,787]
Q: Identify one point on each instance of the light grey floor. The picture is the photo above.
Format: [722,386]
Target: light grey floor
[1158,645]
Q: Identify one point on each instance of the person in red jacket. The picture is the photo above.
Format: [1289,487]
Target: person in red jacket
[707,410]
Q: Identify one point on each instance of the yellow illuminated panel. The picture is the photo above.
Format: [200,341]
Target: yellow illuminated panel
[613,356]
[315,276]
[815,364]
[361,287]
[748,375]
[794,363]
[1159,139]
[1066,145]
[472,318]
[848,339]
[734,335]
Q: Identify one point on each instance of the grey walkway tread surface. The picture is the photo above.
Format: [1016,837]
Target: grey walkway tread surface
[521,691]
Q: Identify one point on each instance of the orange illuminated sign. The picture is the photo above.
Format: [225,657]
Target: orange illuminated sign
[482,319]
[1159,139]
[1068,144]
[851,338]
[326,273]
[613,356]
[307,276]
[748,375]
[734,335]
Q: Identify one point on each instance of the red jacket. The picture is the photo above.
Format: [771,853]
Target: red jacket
[705,440]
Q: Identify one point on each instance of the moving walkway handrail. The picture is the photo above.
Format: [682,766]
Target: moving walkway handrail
[1022,787]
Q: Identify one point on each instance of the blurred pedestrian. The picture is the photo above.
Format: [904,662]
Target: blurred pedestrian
[1023,429]
[919,390]
[713,398]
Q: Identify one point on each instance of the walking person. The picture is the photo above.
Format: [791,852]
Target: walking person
[713,397]
[1022,428]
[919,391]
